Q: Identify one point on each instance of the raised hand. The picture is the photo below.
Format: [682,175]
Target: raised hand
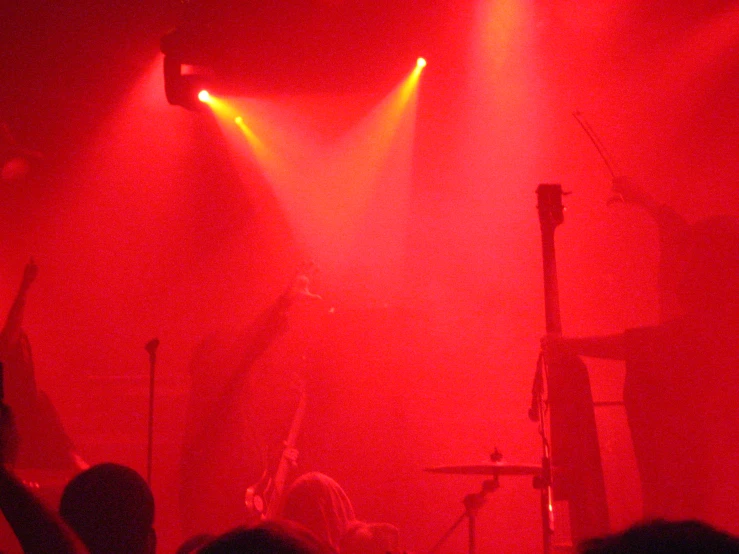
[301,288]
[30,273]
[12,329]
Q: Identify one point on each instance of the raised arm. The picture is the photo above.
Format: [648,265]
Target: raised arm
[674,241]
[14,322]
[667,219]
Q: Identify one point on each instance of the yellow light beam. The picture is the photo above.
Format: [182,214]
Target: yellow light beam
[254,141]
[404,93]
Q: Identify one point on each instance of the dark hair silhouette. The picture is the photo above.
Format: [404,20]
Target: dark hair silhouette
[111,508]
[273,536]
[665,537]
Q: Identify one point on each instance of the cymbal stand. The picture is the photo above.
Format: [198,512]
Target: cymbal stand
[472,504]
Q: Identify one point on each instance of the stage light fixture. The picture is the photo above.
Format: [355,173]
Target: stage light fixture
[421,62]
[204,96]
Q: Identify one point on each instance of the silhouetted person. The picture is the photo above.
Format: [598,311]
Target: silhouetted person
[681,383]
[45,454]
[111,508]
[44,444]
[36,528]
[674,234]
[318,502]
[663,537]
[246,389]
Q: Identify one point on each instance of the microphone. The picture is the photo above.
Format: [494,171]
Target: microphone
[151,346]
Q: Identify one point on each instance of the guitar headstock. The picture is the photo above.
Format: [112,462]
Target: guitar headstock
[551,210]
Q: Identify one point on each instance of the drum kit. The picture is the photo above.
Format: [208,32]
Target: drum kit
[492,471]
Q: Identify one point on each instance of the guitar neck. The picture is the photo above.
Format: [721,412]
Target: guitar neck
[574,435]
[551,284]
[284,465]
[551,214]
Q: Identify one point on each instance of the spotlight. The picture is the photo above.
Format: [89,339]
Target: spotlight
[421,62]
[204,96]
[239,120]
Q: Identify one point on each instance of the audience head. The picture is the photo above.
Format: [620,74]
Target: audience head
[111,508]
[273,537]
[665,537]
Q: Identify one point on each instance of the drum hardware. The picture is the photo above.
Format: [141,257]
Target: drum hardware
[473,502]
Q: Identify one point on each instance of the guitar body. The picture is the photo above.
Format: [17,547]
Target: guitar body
[576,462]
[256,498]
[577,472]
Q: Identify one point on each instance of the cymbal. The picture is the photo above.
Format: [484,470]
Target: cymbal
[490,468]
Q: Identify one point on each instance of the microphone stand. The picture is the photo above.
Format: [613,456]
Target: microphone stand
[151,348]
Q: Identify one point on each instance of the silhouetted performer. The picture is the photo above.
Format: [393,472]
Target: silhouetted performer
[245,390]
[682,386]
[674,244]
